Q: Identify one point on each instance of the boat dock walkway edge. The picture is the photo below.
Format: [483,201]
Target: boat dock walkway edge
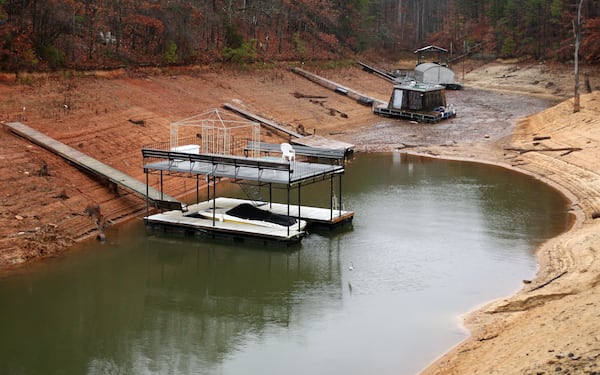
[380,73]
[303,140]
[337,87]
[87,163]
[261,120]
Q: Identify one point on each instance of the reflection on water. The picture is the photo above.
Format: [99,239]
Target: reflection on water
[430,241]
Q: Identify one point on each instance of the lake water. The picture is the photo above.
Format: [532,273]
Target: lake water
[431,240]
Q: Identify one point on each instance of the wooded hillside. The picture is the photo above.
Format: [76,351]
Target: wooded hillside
[42,34]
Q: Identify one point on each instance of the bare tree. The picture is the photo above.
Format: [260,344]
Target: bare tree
[577,34]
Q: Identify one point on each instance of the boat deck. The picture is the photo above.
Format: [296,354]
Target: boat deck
[429,117]
[189,222]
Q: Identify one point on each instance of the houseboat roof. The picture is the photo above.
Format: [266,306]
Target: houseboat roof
[419,86]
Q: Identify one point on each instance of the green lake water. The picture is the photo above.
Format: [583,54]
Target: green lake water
[431,240]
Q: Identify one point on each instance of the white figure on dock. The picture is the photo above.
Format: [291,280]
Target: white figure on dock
[287,152]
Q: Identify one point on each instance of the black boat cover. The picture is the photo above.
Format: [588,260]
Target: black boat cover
[250,212]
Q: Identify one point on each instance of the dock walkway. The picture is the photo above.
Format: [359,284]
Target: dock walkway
[380,73]
[308,141]
[262,120]
[336,87]
[88,163]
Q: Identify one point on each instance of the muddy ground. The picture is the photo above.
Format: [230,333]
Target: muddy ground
[111,115]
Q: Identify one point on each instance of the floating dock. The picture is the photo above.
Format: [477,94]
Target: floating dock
[224,152]
[190,222]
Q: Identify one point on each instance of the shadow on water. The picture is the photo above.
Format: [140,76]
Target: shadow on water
[430,241]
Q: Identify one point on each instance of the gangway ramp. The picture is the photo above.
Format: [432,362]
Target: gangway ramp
[308,141]
[88,163]
[359,97]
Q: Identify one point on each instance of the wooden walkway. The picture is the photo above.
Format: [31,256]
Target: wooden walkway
[260,119]
[87,163]
[380,73]
[309,141]
[343,90]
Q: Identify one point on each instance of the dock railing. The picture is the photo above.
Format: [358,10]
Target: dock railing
[236,146]
[266,157]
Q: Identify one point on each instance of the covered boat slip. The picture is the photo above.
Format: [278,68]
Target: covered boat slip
[258,171]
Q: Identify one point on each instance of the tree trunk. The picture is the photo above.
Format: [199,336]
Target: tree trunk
[577,32]
[588,86]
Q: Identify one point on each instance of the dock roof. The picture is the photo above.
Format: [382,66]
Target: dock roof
[261,170]
[431,49]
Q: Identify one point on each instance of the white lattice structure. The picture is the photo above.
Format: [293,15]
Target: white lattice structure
[221,133]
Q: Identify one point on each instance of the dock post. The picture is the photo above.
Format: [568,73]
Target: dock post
[288,206]
[331,198]
[214,198]
[340,203]
[147,193]
[161,186]
[299,204]
[207,187]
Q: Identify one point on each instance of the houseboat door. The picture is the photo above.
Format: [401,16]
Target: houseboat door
[397,102]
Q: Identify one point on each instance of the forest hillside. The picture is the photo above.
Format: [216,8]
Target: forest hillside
[57,34]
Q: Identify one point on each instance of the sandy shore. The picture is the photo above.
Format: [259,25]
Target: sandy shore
[550,326]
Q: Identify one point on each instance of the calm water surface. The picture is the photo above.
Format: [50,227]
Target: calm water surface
[431,240]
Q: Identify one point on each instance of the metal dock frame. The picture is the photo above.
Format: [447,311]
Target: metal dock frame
[257,170]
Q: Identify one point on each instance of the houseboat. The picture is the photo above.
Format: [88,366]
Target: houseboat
[417,101]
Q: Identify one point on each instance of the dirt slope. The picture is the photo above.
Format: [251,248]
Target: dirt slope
[100,114]
[532,332]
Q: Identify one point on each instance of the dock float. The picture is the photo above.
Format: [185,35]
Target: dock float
[190,222]
[87,163]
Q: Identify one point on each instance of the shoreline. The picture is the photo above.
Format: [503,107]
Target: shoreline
[527,332]
[469,318]
[498,329]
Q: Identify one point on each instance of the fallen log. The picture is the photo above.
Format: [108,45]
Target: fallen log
[300,95]
[567,150]
[137,122]
[541,138]
[549,281]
